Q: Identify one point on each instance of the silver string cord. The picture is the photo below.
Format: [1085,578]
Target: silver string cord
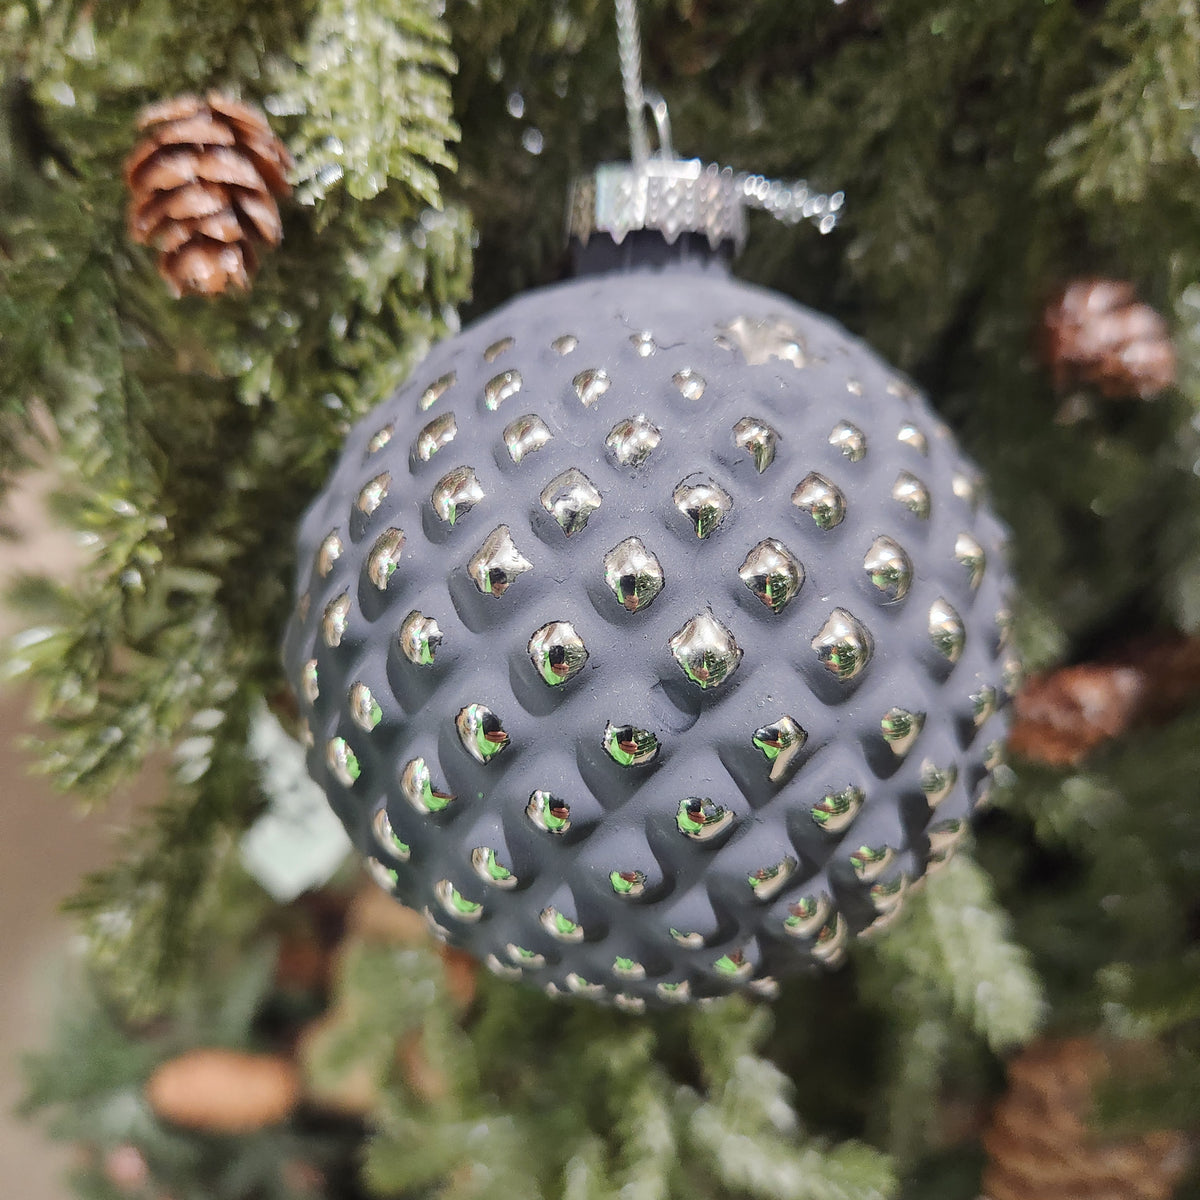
[629,52]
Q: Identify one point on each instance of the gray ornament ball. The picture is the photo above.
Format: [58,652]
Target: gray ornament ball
[651,641]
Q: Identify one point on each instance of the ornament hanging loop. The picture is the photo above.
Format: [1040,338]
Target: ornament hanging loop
[657,107]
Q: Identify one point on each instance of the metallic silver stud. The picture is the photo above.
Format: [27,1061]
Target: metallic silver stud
[416,785]
[387,838]
[627,884]
[734,965]
[912,437]
[830,947]
[850,440]
[633,440]
[835,811]
[633,574]
[946,630]
[971,556]
[500,388]
[440,432]
[1004,628]
[983,704]
[558,652]
[525,958]
[342,761]
[364,708]
[779,743]
[564,344]
[456,493]
[560,926]
[704,503]
[570,498]
[913,494]
[869,862]
[420,638]
[629,746]
[773,573]
[937,782]
[765,986]
[691,383]
[455,903]
[502,970]
[701,819]
[308,681]
[945,840]
[854,387]
[758,439]
[900,728]
[634,1005]
[481,733]
[844,645]
[548,813]
[385,557]
[335,620]
[437,389]
[888,568]
[966,489]
[579,986]
[674,993]
[628,968]
[591,384]
[380,439]
[760,341]
[807,916]
[767,882]
[706,651]
[384,877]
[643,343]
[690,941]
[373,494]
[822,500]
[490,869]
[498,348]
[887,895]
[497,564]
[526,435]
[329,552]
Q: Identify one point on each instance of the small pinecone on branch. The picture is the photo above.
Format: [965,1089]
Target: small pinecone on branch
[203,182]
[1040,1145]
[1096,332]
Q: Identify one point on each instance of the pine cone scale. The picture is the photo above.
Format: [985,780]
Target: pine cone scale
[203,186]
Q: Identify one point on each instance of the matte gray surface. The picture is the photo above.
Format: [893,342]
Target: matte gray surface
[623,819]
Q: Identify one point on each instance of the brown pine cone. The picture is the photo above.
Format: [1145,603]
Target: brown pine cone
[1096,332]
[1040,1146]
[224,1091]
[202,185]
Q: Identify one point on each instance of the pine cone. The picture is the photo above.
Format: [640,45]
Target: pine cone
[1097,333]
[1040,1147]
[224,1091]
[202,184]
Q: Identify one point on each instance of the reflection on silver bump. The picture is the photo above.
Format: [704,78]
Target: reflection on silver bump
[630,1004]
[965,488]
[913,494]
[837,810]
[937,782]
[843,645]
[869,862]
[912,437]
[342,761]
[632,440]
[416,785]
[373,493]
[420,638]
[525,958]
[946,630]
[850,440]
[822,500]
[830,947]
[500,388]
[558,652]
[888,568]
[385,557]
[705,504]
[383,876]
[629,746]
[579,986]
[328,554]
[970,555]
[901,728]
[497,563]
[380,439]
[548,812]
[364,708]
[481,733]
[525,435]
[560,926]
[498,348]
[501,970]
[308,681]
[758,439]
[564,344]
[701,819]
[643,343]
[628,884]
[570,498]
[633,574]
[706,651]
[760,341]
[456,493]
[691,383]
[983,704]
[807,915]
[674,993]
[335,620]
[437,389]
[767,882]
[628,968]
[386,837]
[440,432]
[773,573]
[490,869]
[591,384]
[455,903]
[779,743]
